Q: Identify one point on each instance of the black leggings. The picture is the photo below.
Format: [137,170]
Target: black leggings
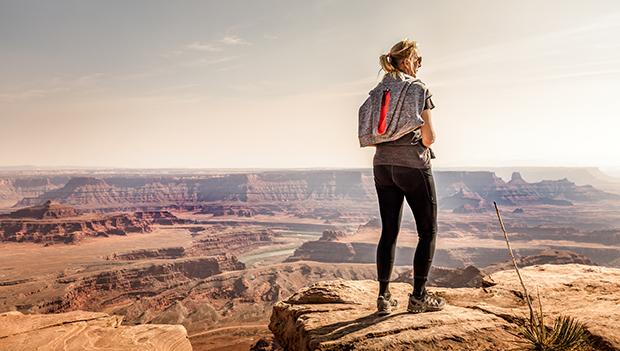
[393,183]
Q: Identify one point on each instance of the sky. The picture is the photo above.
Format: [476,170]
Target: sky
[226,84]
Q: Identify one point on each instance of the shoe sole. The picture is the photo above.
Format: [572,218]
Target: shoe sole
[421,310]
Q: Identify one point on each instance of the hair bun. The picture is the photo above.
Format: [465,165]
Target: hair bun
[400,51]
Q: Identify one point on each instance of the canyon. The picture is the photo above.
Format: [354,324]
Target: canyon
[215,252]
[455,189]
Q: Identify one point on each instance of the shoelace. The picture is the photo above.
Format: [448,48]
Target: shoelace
[431,299]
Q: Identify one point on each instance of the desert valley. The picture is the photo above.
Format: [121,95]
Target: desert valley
[217,252]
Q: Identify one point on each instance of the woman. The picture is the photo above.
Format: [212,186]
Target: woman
[402,170]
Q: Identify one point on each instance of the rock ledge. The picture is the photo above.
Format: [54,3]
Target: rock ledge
[340,314]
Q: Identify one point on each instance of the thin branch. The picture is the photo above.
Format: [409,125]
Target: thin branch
[514,261]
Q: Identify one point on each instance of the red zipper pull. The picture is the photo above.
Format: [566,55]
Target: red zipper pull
[385,103]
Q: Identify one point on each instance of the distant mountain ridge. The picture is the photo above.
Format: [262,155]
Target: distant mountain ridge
[476,189]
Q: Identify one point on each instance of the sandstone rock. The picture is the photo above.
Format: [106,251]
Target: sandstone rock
[516,178]
[324,251]
[52,222]
[340,314]
[70,229]
[332,235]
[236,240]
[80,330]
[47,210]
[160,217]
[141,254]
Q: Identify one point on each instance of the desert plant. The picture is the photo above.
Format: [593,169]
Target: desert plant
[567,334]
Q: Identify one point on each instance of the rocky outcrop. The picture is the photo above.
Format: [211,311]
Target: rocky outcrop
[70,230]
[331,251]
[332,235]
[160,217]
[52,222]
[237,240]
[47,210]
[81,330]
[142,254]
[326,249]
[340,314]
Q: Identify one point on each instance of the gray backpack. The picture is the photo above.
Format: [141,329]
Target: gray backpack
[392,109]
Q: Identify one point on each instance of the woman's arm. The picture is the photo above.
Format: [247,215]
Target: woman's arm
[428,133]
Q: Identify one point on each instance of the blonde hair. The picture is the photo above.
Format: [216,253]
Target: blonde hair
[399,52]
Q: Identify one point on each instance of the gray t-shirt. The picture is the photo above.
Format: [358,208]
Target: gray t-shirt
[407,150]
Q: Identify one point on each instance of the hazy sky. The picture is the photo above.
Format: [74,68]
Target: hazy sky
[279,83]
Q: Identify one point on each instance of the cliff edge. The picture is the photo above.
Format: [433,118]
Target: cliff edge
[340,314]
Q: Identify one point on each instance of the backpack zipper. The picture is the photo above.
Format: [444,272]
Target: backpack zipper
[385,103]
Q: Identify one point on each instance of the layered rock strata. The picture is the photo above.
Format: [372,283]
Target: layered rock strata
[52,222]
[469,190]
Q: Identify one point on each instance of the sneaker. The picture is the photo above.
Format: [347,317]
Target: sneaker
[385,304]
[427,302]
